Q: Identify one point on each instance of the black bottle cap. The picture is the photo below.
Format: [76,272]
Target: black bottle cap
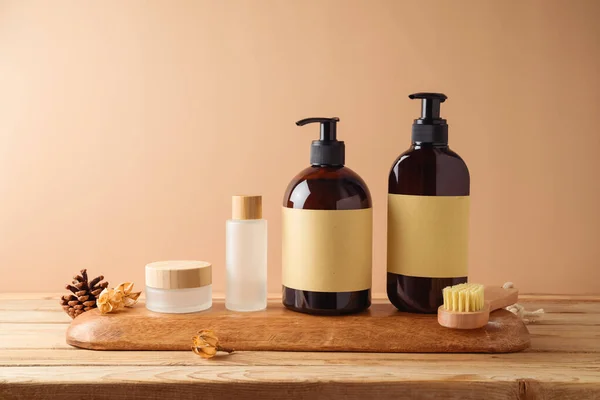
[430,128]
[327,150]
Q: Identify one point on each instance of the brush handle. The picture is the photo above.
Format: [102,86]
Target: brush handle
[497,297]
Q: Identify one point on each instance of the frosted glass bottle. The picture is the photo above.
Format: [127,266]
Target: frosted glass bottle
[246,256]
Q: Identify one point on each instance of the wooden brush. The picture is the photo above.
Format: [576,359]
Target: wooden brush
[468,305]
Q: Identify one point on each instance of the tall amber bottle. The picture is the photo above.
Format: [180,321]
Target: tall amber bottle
[327,232]
[428,209]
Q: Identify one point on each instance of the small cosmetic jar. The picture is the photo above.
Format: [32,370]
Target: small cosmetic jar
[178,286]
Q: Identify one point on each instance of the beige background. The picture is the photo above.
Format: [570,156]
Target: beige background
[125,126]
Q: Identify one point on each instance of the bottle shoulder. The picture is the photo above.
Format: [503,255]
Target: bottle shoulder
[433,171]
[327,188]
[428,155]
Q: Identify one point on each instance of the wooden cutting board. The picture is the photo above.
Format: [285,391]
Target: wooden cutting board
[381,329]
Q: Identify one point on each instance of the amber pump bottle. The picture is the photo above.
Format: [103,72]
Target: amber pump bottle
[327,232]
[428,209]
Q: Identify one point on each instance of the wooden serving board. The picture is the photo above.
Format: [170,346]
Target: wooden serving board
[381,329]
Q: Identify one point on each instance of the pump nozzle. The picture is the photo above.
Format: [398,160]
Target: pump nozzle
[327,150]
[430,128]
[328,126]
[430,104]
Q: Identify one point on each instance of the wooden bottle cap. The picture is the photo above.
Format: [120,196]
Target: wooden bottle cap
[246,207]
[178,274]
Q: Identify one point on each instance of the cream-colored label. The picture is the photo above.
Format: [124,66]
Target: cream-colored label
[428,235]
[327,250]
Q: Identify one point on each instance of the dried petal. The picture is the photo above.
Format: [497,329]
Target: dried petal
[110,300]
[209,337]
[120,288]
[125,287]
[116,299]
[205,352]
[127,302]
[128,287]
[129,298]
[104,297]
[206,344]
[105,308]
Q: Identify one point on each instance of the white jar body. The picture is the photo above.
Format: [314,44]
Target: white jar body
[179,301]
[246,265]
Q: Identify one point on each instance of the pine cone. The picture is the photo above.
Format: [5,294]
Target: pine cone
[84,294]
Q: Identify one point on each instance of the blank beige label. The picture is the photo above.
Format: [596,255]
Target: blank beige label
[428,235]
[327,250]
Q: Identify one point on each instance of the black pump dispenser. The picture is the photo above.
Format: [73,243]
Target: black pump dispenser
[430,128]
[327,150]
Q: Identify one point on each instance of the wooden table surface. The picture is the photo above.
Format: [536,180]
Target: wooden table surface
[562,363]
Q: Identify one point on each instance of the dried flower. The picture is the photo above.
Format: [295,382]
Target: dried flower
[206,344]
[109,301]
[128,296]
[113,299]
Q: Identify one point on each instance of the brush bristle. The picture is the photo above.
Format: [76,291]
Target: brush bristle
[465,297]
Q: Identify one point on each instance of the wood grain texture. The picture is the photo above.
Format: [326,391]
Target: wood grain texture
[456,363]
[246,207]
[271,382]
[563,362]
[463,320]
[380,329]
[33,336]
[498,297]
[178,274]
[38,317]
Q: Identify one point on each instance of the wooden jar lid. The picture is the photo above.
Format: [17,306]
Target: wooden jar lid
[246,207]
[178,274]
